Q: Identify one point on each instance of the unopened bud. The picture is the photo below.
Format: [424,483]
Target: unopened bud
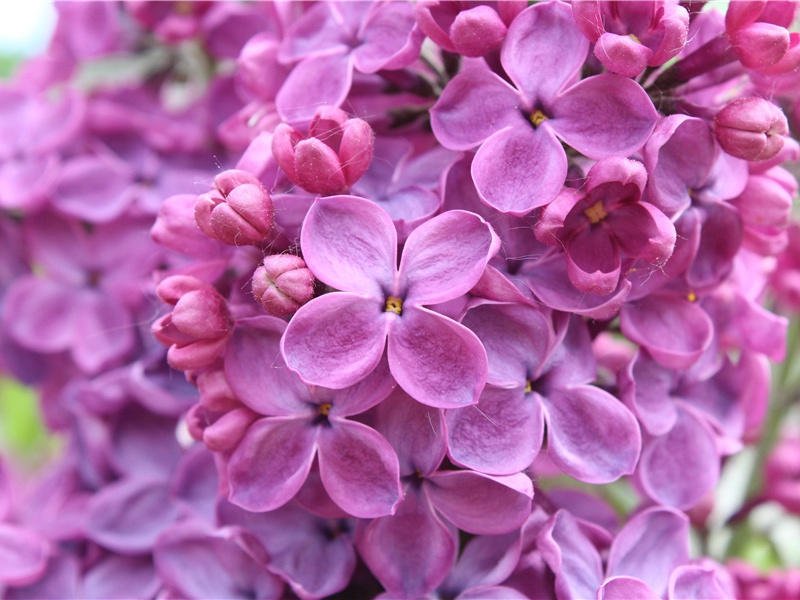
[751,128]
[283,284]
[334,155]
[237,211]
[477,31]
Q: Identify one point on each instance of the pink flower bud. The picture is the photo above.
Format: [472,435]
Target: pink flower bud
[283,284]
[198,328]
[334,155]
[237,211]
[477,31]
[226,432]
[751,128]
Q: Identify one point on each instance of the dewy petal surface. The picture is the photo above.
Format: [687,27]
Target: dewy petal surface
[439,362]
[445,257]
[335,340]
[359,469]
[350,243]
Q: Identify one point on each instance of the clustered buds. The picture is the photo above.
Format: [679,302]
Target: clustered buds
[237,211]
[334,155]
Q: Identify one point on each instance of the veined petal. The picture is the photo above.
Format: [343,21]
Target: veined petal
[436,360]
[571,555]
[626,588]
[519,168]
[335,340]
[313,82]
[501,435]
[271,462]
[544,50]
[474,105]
[593,261]
[256,371]
[674,331]
[680,467]
[591,435]
[650,547]
[359,469]
[412,551]
[480,503]
[445,257]
[350,243]
[604,115]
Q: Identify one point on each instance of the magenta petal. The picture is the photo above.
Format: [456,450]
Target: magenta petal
[650,547]
[675,331]
[116,575]
[24,555]
[445,257]
[593,261]
[256,372]
[572,557]
[410,552]
[315,81]
[519,169]
[470,94]
[697,581]
[544,50]
[500,435]
[591,435]
[435,360]
[359,469]
[271,462]
[626,588]
[335,340]
[36,316]
[479,503]
[104,331]
[680,467]
[350,244]
[128,515]
[415,431]
[604,115]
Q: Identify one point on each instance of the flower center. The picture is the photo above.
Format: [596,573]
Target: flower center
[324,408]
[394,304]
[528,386]
[596,212]
[537,117]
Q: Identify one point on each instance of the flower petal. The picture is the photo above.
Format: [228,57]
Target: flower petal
[359,469]
[520,168]
[445,257]
[271,462]
[335,340]
[350,244]
[479,503]
[435,360]
[591,435]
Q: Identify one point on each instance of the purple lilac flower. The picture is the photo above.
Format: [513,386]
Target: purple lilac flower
[519,126]
[338,339]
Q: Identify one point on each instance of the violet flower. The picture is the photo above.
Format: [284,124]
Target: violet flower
[519,126]
[338,339]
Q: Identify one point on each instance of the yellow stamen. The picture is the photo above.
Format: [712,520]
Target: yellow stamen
[394,304]
[528,387]
[537,117]
[634,38]
[324,409]
[691,296]
[596,212]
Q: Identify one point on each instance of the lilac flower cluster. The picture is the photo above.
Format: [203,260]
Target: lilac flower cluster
[393,299]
